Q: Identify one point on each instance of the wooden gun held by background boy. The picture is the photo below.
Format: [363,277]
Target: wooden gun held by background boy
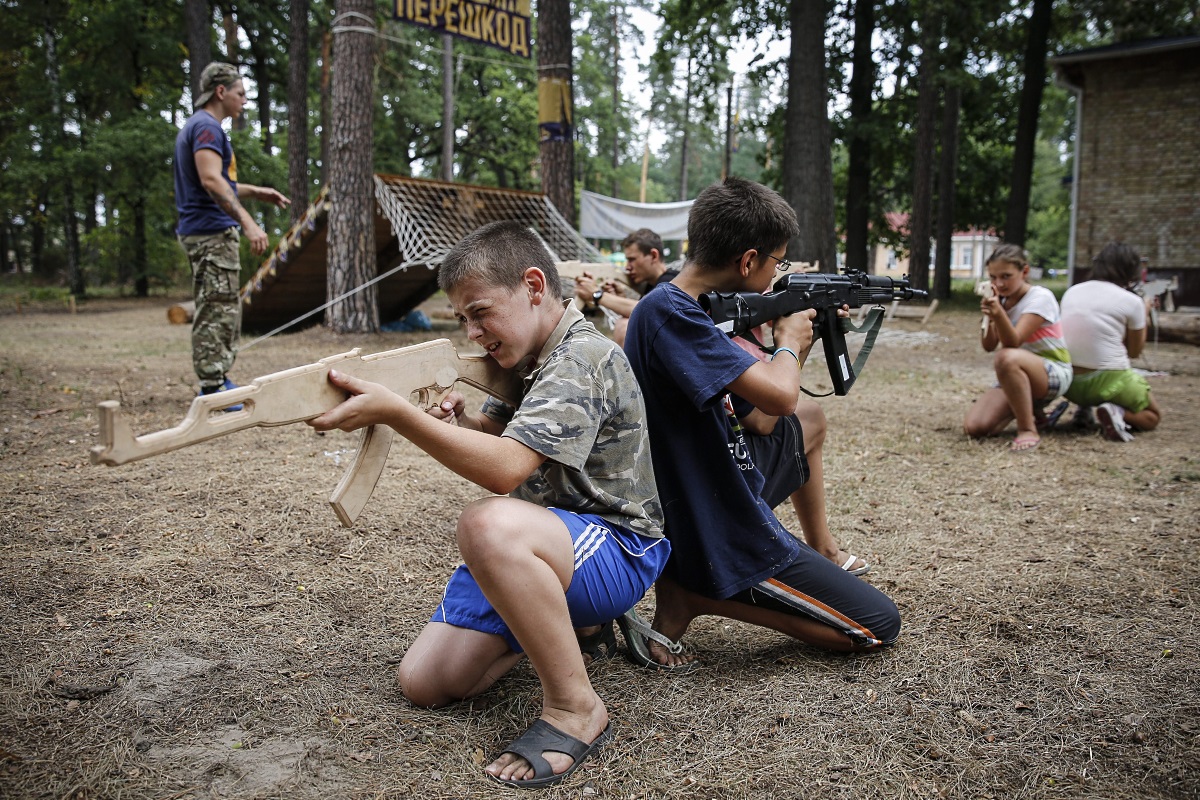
[428,370]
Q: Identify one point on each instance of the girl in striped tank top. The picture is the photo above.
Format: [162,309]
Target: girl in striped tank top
[1033,367]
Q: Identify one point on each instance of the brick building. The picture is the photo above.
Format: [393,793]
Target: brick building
[1137,155]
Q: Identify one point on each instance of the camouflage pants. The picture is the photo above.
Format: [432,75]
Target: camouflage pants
[215,327]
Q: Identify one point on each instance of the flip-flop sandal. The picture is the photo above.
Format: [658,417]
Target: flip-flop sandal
[1024,445]
[850,559]
[1050,421]
[599,645]
[542,737]
[637,634]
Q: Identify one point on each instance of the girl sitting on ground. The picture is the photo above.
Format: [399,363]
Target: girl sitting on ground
[1104,324]
[1032,364]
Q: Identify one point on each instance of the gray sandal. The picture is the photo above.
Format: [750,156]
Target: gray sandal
[542,737]
[637,634]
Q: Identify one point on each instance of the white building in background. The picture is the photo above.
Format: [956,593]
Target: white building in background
[968,251]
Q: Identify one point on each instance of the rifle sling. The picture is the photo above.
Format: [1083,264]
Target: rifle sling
[871,326]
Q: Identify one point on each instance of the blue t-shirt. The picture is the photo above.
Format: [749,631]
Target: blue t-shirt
[199,213]
[724,537]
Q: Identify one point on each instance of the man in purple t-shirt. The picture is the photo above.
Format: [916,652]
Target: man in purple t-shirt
[207,197]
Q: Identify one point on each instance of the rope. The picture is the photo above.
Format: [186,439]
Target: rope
[335,300]
[358,14]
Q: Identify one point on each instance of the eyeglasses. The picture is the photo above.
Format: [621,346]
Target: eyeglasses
[783,266]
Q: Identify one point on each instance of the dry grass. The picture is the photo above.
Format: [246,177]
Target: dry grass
[199,626]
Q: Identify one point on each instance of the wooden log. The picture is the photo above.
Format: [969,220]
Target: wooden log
[1180,327]
[181,313]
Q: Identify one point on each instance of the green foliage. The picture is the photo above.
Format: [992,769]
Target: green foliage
[95,92]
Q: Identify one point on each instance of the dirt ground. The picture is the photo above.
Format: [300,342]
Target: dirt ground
[198,625]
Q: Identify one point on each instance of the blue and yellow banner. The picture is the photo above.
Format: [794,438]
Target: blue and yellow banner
[503,24]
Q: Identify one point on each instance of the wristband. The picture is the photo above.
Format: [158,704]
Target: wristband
[779,350]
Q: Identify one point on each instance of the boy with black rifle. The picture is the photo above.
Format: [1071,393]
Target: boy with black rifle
[731,557]
[577,541]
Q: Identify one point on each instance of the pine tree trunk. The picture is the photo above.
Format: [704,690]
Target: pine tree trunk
[858,178]
[323,111]
[554,61]
[947,175]
[684,153]
[1021,182]
[262,79]
[232,51]
[352,258]
[447,107]
[616,99]
[920,222]
[63,124]
[807,159]
[197,18]
[141,264]
[297,94]
[71,240]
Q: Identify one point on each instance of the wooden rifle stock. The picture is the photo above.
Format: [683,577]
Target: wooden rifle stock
[428,370]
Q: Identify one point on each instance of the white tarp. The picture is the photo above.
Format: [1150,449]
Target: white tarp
[603,217]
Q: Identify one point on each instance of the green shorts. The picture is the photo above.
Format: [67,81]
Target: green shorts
[1125,387]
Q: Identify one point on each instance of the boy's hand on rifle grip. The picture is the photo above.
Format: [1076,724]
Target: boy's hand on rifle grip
[368,404]
[795,330]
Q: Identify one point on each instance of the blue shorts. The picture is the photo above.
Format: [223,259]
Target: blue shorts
[614,568]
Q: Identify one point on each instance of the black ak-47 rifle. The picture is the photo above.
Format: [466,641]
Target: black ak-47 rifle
[739,313]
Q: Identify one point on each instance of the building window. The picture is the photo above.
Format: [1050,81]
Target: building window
[966,256]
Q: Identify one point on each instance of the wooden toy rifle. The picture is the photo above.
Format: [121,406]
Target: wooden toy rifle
[428,370]
[984,289]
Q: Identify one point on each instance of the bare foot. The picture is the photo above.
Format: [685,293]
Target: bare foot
[586,727]
[596,642]
[673,613]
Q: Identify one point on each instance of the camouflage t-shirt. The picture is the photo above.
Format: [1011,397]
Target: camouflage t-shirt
[583,410]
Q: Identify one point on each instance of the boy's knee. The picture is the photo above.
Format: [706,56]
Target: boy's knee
[881,626]
[476,520]
[418,689]
[486,529]
[888,630]
[813,422]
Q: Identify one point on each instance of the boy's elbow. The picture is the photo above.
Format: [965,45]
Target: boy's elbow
[783,406]
[501,484]
[505,480]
